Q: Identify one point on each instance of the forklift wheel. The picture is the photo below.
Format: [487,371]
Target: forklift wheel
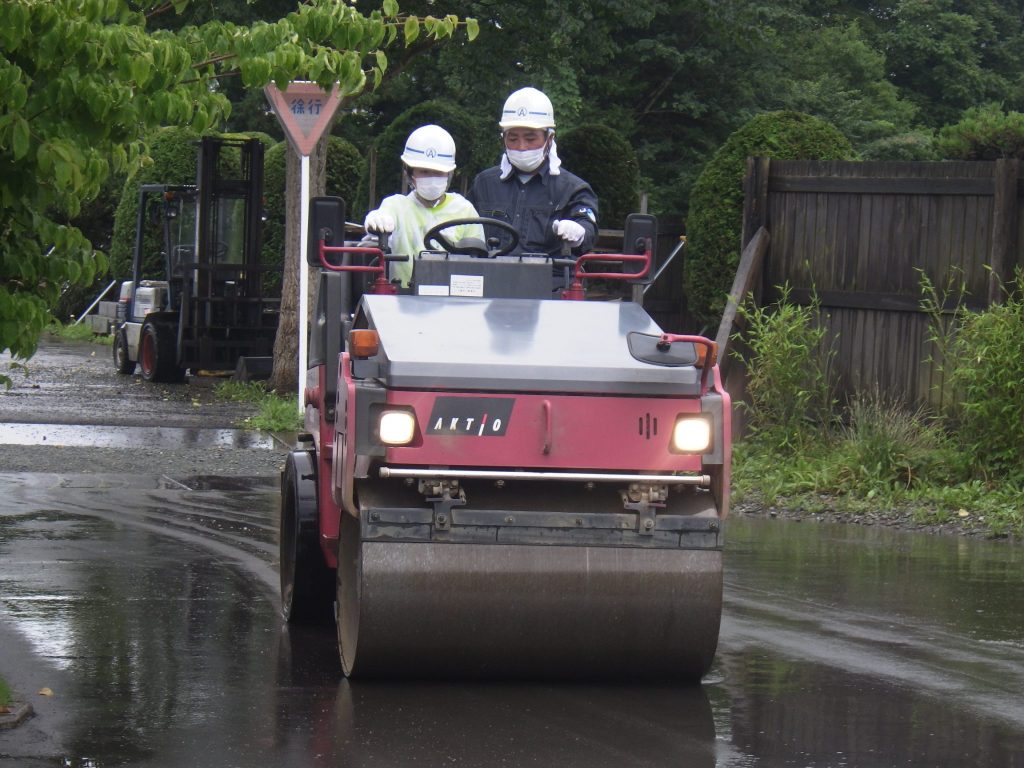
[122,362]
[157,353]
[307,584]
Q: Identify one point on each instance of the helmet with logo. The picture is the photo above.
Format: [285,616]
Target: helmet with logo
[527,108]
[430,147]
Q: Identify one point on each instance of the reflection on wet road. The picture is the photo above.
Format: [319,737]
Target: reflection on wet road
[96,436]
[149,606]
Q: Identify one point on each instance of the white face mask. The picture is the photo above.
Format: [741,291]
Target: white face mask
[526,160]
[430,188]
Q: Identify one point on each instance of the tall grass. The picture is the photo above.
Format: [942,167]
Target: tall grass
[806,450]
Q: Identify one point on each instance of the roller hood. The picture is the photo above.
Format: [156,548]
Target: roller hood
[521,345]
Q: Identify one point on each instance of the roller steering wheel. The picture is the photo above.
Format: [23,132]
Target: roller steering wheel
[434,235]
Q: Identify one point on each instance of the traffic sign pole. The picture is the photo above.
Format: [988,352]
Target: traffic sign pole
[303,280]
[304,111]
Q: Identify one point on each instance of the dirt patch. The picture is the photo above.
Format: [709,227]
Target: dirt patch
[972,526]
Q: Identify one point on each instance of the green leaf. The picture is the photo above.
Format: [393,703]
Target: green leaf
[411,30]
[20,137]
[382,61]
[141,67]
[390,7]
[472,29]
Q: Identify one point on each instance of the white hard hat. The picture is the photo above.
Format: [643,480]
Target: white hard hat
[431,147]
[527,108]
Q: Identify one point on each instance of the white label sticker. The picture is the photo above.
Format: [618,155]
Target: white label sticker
[432,290]
[467,285]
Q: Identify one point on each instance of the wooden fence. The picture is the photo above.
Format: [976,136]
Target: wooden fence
[861,236]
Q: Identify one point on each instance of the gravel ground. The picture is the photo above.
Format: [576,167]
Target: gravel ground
[74,383]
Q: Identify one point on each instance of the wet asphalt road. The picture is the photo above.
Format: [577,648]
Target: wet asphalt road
[148,604]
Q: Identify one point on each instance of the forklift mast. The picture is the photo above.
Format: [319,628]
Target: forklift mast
[224,312]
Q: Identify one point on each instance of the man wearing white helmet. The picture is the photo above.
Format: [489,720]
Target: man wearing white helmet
[428,161]
[548,206]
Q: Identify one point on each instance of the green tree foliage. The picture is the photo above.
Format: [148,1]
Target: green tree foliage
[949,55]
[984,133]
[676,79]
[716,206]
[851,91]
[81,82]
[475,149]
[598,154]
[344,164]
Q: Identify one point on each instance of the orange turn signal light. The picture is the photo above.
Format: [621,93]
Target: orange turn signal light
[707,356]
[363,343]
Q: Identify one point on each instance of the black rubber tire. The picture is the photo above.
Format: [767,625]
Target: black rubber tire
[122,362]
[307,584]
[157,354]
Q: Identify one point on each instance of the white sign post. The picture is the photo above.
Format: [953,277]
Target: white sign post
[304,111]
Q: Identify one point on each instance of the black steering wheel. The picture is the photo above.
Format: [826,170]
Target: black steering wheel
[434,235]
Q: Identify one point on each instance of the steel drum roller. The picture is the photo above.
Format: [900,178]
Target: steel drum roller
[449,609]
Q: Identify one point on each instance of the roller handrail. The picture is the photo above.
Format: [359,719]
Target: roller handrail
[667,339]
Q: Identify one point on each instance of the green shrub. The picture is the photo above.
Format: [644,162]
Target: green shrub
[984,133]
[987,368]
[716,202]
[788,389]
[344,163]
[914,145]
[477,146]
[607,161]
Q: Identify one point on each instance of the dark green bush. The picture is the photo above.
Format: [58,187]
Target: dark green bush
[343,167]
[477,146]
[914,145]
[984,133]
[601,156]
[716,202]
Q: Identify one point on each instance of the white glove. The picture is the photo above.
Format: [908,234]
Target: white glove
[569,230]
[378,221]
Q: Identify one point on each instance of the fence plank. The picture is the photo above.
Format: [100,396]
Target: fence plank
[1004,211]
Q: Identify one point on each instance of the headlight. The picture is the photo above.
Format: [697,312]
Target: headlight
[692,434]
[396,427]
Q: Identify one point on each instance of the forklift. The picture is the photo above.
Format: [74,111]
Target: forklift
[204,304]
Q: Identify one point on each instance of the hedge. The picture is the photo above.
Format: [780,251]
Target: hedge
[715,222]
[601,156]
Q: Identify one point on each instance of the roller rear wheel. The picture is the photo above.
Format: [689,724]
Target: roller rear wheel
[307,584]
